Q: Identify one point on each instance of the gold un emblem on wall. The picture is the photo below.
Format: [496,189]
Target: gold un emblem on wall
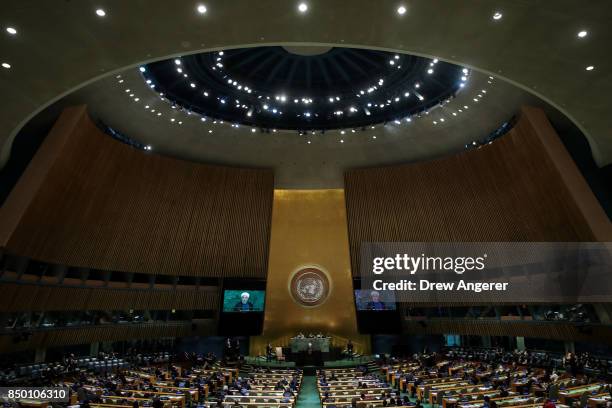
[309,287]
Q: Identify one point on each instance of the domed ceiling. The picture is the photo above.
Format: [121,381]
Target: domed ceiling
[310,89]
[154,107]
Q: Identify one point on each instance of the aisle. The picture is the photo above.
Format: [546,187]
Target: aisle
[309,396]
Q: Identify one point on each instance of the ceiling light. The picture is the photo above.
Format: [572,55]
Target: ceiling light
[465,71]
[158,113]
[100,12]
[401,10]
[303,7]
[581,34]
[192,85]
[341,140]
[373,137]
[253,130]
[497,15]
[430,71]
[202,9]
[11,30]
[590,68]
[136,99]
[6,65]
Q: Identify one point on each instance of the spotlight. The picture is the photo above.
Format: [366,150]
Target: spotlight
[202,9]
[497,16]
[401,10]
[590,68]
[100,12]
[581,34]
[303,7]
[6,65]
[11,30]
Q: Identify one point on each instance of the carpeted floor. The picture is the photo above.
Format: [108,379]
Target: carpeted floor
[309,396]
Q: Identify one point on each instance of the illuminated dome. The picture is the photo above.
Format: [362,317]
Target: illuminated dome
[277,88]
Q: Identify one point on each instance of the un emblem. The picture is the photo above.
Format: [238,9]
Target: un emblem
[309,286]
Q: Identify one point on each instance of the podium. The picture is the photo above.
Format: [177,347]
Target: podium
[320,344]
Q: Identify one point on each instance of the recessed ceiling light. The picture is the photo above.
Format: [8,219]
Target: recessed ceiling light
[590,68]
[100,12]
[401,10]
[581,34]
[341,140]
[373,137]
[303,7]
[202,9]
[6,65]
[11,30]
[430,71]
[497,15]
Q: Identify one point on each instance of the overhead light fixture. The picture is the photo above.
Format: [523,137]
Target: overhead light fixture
[11,30]
[590,68]
[581,34]
[430,71]
[497,15]
[6,65]
[100,12]
[401,10]
[303,7]
[202,9]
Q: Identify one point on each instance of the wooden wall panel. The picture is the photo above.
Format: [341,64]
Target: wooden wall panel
[510,190]
[109,206]
[110,332]
[32,297]
[547,330]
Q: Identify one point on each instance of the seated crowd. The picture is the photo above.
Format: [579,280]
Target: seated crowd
[462,378]
[148,381]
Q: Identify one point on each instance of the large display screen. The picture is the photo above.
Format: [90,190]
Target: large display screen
[373,300]
[243,300]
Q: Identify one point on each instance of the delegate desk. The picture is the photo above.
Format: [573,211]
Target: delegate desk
[569,395]
[318,344]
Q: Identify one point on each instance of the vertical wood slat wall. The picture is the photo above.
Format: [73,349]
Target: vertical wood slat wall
[110,332]
[106,205]
[507,191]
[42,298]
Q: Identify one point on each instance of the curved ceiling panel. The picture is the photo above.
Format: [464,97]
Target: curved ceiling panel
[60,46]
[272,88]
